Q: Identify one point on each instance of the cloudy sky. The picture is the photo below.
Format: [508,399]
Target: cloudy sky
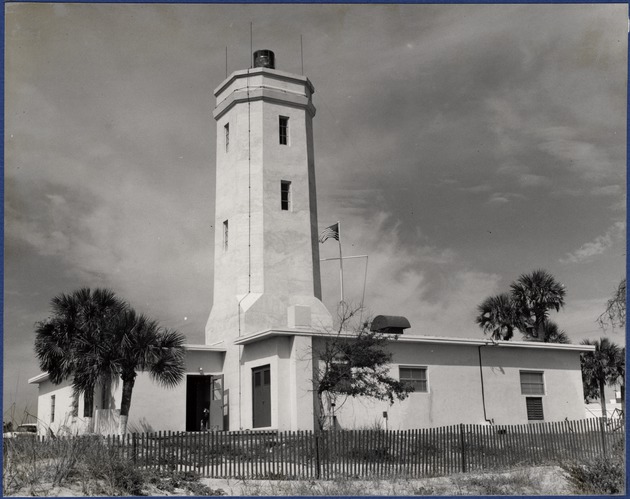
[459,146]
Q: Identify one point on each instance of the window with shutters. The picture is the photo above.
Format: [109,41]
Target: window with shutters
[534,409]
[532,383]
[416,377]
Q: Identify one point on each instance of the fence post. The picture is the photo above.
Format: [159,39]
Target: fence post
[317,462]
[602,427]
[463,446]
[134,447]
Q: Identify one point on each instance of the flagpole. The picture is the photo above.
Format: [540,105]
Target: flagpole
[363,296]
[340,259]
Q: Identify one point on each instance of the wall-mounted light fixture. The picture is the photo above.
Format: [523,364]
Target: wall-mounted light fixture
[201,371]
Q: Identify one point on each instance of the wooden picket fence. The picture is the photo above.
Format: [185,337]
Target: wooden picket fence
[371,453]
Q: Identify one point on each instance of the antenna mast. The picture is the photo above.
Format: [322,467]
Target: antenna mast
[302,54]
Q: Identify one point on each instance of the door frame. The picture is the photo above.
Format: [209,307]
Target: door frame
[266,415]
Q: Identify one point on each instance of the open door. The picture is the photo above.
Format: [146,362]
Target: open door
[197,398]
[216,404]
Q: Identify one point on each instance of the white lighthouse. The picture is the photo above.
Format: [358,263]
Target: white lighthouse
[266,264]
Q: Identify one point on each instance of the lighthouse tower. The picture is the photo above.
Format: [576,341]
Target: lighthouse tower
[266,263]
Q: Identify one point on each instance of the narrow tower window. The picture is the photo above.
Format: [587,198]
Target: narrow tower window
[226,129]
[52,408]
[285,195]
[284,130]
[225,235]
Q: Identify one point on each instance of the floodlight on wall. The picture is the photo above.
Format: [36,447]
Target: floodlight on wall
[201,371]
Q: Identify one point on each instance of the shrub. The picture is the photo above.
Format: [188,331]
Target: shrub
[600,476]
[186,480]
[424,491]
[127,478]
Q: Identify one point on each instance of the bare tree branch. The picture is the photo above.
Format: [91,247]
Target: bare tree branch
[615,313]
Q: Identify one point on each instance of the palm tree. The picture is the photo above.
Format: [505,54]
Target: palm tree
[497,316]
[602,367]
[139,344]
[553,334]
[534,295]
[71,344]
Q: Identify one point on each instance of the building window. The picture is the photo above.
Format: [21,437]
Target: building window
[226,130]
[225,235]
[534,409]
[52,408]
[284,130]
[416,377]
[532,383]
[285,195]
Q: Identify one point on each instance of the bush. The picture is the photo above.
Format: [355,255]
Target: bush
[600,476]
[186,480]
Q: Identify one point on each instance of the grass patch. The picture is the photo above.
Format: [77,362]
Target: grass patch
[523,481]
[86,465]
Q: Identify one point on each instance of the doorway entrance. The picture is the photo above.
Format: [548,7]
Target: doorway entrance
[204,392]
[261,393]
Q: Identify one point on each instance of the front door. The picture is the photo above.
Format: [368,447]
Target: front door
[261,390]
[197,399]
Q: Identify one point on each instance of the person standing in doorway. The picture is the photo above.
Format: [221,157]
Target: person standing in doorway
[205,419]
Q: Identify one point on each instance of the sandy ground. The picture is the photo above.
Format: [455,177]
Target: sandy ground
[546,480]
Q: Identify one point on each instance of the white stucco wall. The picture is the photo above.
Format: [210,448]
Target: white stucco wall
[563,398]
[159,408]
[153,407]
[63,408]
[454,387]
[291,375]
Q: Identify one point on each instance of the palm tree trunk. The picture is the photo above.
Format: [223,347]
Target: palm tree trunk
[75,411]
[125,403]
[88,409]
[602,397]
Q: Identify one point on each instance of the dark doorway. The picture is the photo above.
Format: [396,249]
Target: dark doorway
[197,398]
[261,392]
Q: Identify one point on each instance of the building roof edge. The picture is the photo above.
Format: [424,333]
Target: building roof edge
[405,338]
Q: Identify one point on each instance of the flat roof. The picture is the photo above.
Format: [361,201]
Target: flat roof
[191,347]
[407,338]
[204,348]
[38,379]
